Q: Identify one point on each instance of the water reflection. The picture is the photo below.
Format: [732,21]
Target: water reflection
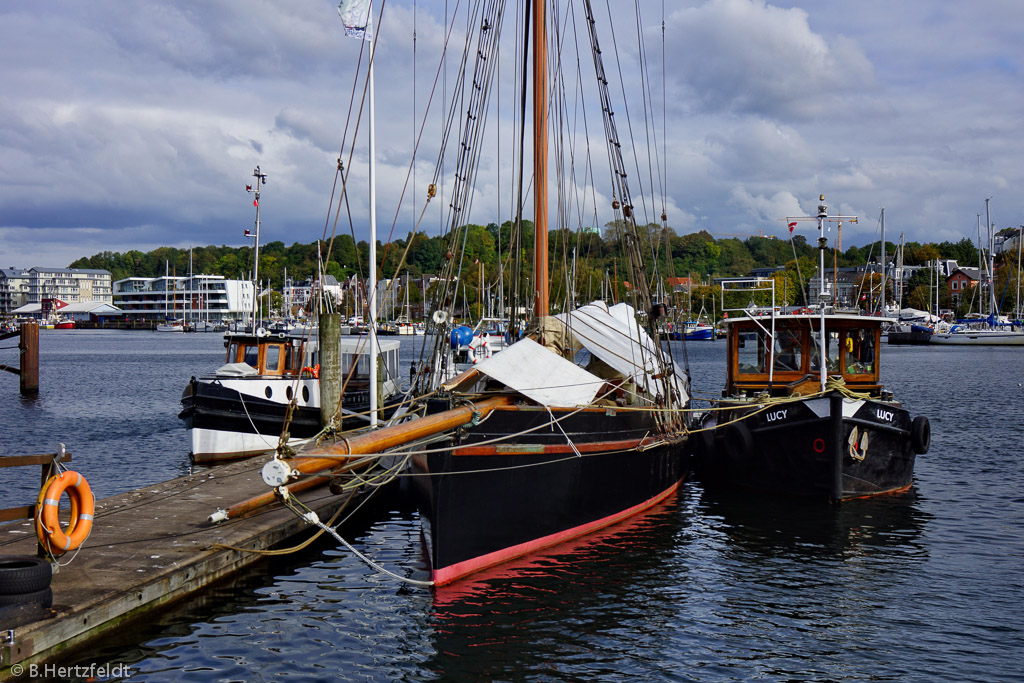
[545,611]
[785,527]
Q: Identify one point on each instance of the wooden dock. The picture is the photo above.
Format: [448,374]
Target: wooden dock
[148,548]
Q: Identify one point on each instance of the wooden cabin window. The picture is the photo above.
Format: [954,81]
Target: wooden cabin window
[750,352]
[831,352]
[250,355]
[788,350]
[859,351]
[273,358]
[232,353]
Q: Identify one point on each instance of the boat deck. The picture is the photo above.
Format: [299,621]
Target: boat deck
[148,547]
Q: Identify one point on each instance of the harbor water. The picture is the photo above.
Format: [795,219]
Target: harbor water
[922,586]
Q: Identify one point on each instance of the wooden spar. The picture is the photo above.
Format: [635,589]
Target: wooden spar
[540,160]
[256,502]
[467,375]
[372,442]
[396,435]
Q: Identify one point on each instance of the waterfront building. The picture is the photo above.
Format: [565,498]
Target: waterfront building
[199,297]
[13,289]
[962,281]
[71,285]
[298,294]
[83,311]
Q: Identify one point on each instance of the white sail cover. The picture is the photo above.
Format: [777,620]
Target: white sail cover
[614,336]
[541,375]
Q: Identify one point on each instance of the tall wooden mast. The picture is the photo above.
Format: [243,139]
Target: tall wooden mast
[540,160]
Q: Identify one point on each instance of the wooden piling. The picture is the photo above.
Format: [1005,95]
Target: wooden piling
[330,367]
[29,368]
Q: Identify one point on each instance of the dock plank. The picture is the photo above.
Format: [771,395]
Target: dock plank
[148,548]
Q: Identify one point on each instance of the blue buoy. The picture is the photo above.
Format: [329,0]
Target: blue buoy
[461,336]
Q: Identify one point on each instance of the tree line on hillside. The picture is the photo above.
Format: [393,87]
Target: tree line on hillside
[591,255]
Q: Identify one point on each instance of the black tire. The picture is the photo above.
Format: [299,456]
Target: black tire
[24,574]
[738,441]
[43,597]
[706,443]
[920,434]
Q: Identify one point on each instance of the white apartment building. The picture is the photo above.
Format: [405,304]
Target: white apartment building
[199,297]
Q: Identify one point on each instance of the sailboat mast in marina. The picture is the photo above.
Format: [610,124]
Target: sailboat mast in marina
[261,179]
[571,428]
[357,16]
[372,320]
[986,331]
[566,451]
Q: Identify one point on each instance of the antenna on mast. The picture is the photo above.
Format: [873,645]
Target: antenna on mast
[261,179]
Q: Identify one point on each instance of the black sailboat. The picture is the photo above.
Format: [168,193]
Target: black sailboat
[576,425]
[588,430]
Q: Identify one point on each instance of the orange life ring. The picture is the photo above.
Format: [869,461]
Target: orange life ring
[83,507]
[315,372]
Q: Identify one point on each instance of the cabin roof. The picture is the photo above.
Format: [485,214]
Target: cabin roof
[813,316]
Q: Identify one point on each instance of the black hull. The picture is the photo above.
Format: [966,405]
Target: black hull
[209,405]
[803,448]
[483,505]
[914,337]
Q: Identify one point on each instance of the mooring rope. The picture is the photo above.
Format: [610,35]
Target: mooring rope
[311,517]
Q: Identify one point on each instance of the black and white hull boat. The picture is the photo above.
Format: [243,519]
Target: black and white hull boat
[240,410]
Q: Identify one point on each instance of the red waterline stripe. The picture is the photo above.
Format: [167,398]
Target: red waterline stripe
[886,492]
[450,573]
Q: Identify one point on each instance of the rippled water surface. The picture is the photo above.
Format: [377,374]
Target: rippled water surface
[924,586]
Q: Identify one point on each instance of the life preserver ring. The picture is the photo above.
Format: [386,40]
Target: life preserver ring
[83,507]
[315,372]
[920,434]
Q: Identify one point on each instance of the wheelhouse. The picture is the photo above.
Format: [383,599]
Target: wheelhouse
[290,356]
[269,355]
[781,354]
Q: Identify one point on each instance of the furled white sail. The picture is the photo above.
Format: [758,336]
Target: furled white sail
[614,336]
[542,375]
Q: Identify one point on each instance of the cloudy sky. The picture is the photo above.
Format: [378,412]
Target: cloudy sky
[135,125]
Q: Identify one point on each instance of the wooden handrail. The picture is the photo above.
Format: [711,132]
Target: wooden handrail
[21,460]
[46,462]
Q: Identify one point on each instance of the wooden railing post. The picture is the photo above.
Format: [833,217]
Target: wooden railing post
[47,463]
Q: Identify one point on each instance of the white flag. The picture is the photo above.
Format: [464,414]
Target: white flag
[355,14]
